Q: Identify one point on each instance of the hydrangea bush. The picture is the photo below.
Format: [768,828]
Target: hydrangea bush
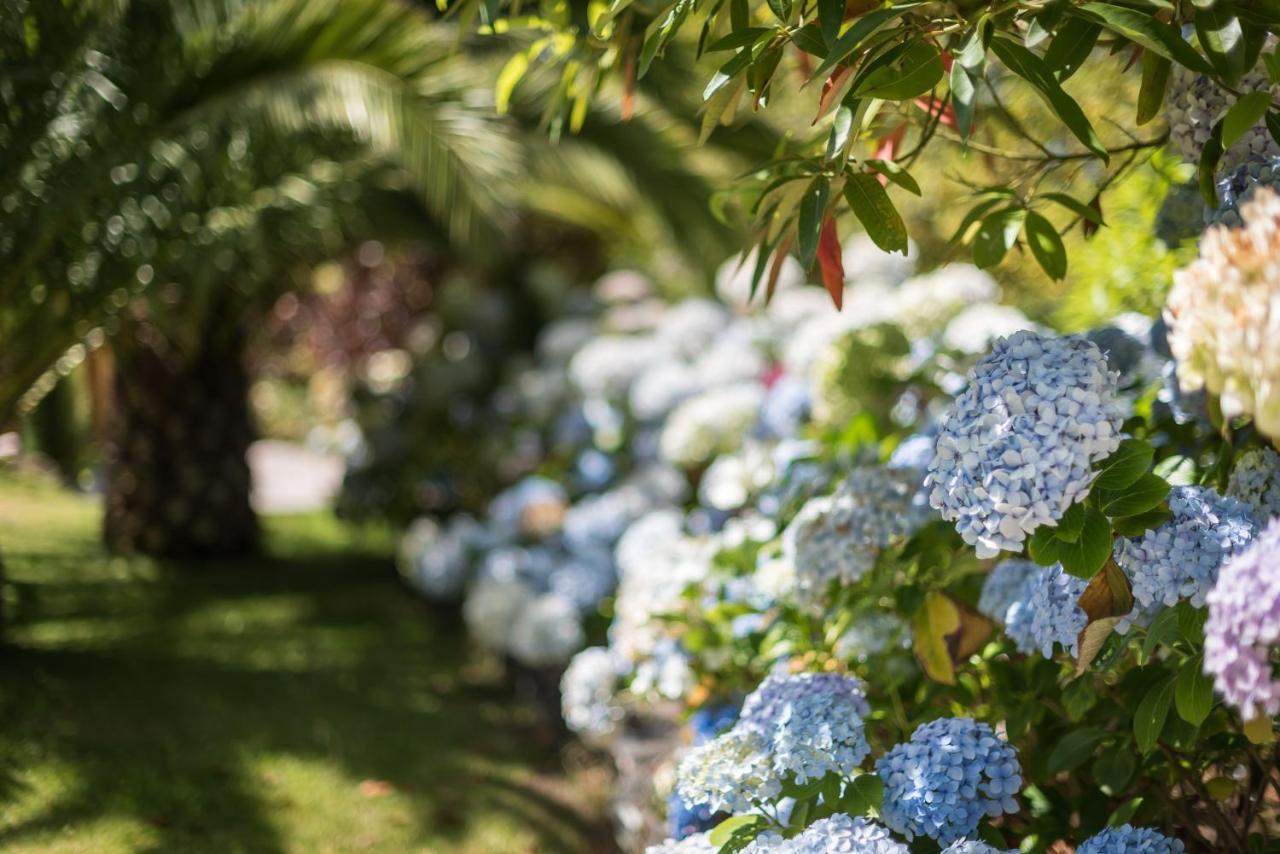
[1007,599]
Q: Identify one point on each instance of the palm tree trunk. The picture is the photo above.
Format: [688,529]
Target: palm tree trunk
[177,478]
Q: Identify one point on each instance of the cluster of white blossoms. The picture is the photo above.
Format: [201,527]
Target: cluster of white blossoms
[435,558]
[1255,480]
[1195,103]
[713,422]
[588,693]
[1224,330]
[1017,447]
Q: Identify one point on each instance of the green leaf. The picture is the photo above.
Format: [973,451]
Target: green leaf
[1142,28]
[1142,495]
[1046,245]
[1139,523]
[1114,769]
[809,39]
[1086,555]
[975,213]
[962,99]
[896,174]
[996,236]
[739,38]
[736,832]
[1273,126]
[1163,629]
[1193,692]
[1207,171]
[1078,697]
[1151,714]
[907,72]
[1155,79]
[1070,525]
[813,209]
[873,208]
[841,127]
[1123,468]
[1124,812]
[1076,206]
[1044,545]
[1071,47]
[863,794]
[1075,748]
[781,10]
[1243,115]
[1222,38]
[1031,68]
[830,16]
[1191,622]
[854,36]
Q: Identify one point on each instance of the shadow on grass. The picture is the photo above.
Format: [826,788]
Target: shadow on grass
[185,697]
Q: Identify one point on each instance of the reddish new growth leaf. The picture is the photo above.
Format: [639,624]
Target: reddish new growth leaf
[775,268]
[833,90]
[887,149]
[629,88]
[831,261]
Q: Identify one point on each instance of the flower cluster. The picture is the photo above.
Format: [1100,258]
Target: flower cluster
[1255,480]
[1222,330]
[588,697]
[839,536]
[711,423]
[1239,186]
[698,843]
[730,773]
[1180,559]
[1244,625]
[1127,839]
[1005,585]
[946,778]
[969,846]
[1195,103]
[836,834]
[436,558]
[1017,447]
[1047,613]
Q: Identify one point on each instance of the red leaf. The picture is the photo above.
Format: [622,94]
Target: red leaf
[804,64]
[832,90]
[831,261]
[629,88]
[887,149]
[941,110]
[947,59]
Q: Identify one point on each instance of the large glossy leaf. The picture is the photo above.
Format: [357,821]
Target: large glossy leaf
[873,208]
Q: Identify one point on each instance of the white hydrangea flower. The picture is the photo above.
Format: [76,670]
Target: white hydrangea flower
[687,326]
[974,328]
[698,843]
[491,608]
[732,479]
[436,559]
[714,422]
[546,631]
[1224,316]
[927,302]
[607,365]
[864,262]
[561,338]
[1017,447]
[588,693]
[662,387]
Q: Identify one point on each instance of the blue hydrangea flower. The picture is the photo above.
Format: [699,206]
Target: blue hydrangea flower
[970,846]
[1180,559]
[684,821]
[1127,839]
[951,773]
[1018,445]
[1048,613]
[1004,586]
[1256,481]
[838,834]
[811,723]
[709,722]
[1239,186]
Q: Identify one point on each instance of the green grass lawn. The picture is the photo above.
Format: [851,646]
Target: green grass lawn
[306,702]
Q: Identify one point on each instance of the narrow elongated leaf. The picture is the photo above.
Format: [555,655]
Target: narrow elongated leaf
[1031,68]
[739,38]
[1046,245]
[1243,115]
[830,16]
[813,209]
[896,174]
[854,36]
[1071,47]
[831,261]
[1147,31]
[508,77]
[1155,79]
[726,73]
[962,97]
[913,71]
[873,208]
[1222,39]
[1151,714]
[1206,174]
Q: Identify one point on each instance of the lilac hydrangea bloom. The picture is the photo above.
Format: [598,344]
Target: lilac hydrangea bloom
[1127,839]
[951,773]
[1180,559]
[1004,586]
[1243,624]
[1048,613]
[1017,447]
[1255,480]
[838,834]
[811,722]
